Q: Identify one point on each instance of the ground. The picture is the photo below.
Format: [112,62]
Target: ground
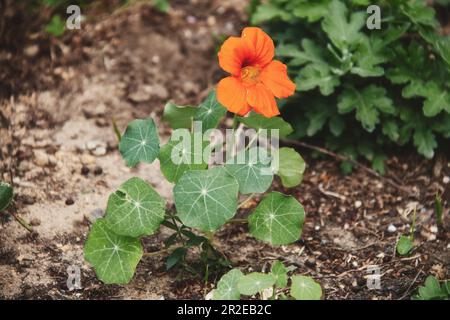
[61,153]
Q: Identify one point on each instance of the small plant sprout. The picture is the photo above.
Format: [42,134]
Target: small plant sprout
[235,284]
[433,290]
[6,195]
[438,211]
[213,177]
[406,243]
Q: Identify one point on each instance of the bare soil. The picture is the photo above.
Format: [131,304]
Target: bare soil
[59,149]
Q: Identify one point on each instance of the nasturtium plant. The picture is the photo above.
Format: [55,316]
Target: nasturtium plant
[235,284]
[208,191]
[278,219]
[6,195]
[140,142]
[360,89]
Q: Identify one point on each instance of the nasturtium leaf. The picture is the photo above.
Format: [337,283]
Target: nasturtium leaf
[206,199]
[291,167]
[113,257]
[227,287]
[251,168]
[404,245]
[140,142]
[257,121]
[175,257]
[278,219]
[6,195]
[305,288]
[135,209]
[179,116]
[279,271]
[255,282]
[210,112]
[177,157]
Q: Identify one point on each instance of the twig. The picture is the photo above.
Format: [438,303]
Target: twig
[22,222]
[344,158]
[410,286]
[156,253]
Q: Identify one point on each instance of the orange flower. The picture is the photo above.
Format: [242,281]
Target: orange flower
[255,78]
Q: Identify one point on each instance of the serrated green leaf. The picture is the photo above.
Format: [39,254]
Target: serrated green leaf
[227,287]
[368,104]
[257,121]
[251,168]
[425,142]
[336,125]
[343,31]
[184,154]
[390,129]
[420,13]
[369,55]
[311,53]
[317,75]
[437,98]
[255,282]
[135,209]
[113,257]
[312,11]
[291,167]
[6,195]
[210,112]
[279,271]
[267,12]
[206,199]
[179,116]
[140,142]
[305,288]
[56,26]
[404,245]
[278,219]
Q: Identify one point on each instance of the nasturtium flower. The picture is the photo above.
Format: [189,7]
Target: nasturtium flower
[255,78]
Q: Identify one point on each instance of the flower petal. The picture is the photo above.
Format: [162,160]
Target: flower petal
[275,77]
[232,55]
[260,45]
[262,100]
[233,95]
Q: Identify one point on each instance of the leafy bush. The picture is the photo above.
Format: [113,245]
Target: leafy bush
[364,90]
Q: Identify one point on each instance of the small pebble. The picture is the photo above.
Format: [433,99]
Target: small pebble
[317,228]
[434,229]
[358,204]
[69,202]
[391,228]
[99,151]
[98,170]
[84,170]
[446,179]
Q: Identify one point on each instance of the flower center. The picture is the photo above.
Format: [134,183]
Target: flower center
[250,75]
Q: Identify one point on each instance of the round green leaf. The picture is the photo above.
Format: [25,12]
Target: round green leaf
[227,287]
[291,167]
[305,288]
[257,121]
[188,153]
[6,195]
[113,257]
[255,282]
[210,112]
[252,171]
[206,199]
[135,209]
[404,245]
[140,142]
[278,219]
[179,116]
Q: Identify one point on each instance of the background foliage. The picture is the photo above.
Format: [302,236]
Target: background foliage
[364,90]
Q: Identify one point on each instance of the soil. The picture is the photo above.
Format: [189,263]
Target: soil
[59,150]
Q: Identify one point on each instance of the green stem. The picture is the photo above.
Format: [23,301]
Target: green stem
[166,250]
[246,200]
[116,130]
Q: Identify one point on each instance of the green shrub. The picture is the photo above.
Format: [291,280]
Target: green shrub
[364,90]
